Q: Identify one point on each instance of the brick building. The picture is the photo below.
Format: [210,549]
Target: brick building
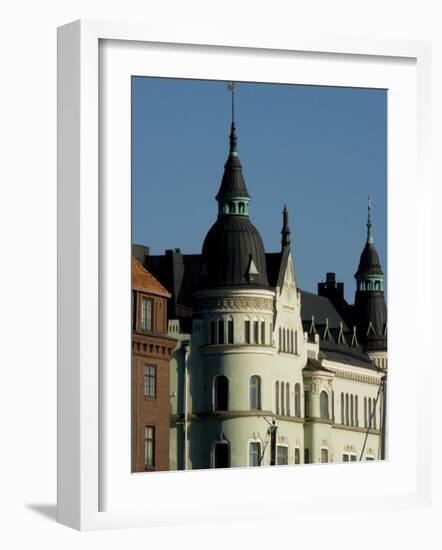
[151,353]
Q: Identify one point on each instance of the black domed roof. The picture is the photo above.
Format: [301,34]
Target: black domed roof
[369,263]
[233,254]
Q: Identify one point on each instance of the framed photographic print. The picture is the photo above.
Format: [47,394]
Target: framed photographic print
[223,233]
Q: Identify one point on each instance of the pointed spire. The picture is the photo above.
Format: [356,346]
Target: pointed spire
[233,135]
[233,140]
[285,232]
[370,239]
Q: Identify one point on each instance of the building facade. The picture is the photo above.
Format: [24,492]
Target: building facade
[263,372]
[151,354]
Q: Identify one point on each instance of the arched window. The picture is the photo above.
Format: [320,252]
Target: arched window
[356,411]
[280,339]
[221,393]
[230,331]
[296,342]
[342,409]
[221,332]
[241,208]
[369,412]
[323,405]
[377,285]
[221,455]
[277,397]
[352,416]
[255,331]
[255,392]
[263,333]
[292,348]
[297,400]
[283,339]
[247,339]
[374,414]
[282,399]
[231,208]
[346,409]
[287,398]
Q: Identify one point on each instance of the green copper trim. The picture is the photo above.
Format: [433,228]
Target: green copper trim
[233,206]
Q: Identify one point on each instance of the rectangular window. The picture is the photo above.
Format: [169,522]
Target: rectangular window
[220,332]
[356,410]
[230,331]
[324,456]
[212,332]
[146,314]
[352,458]
[263,333]
[345,457]
[296,342]
[247,332]
[297,455]
[254,453]
[365,412]
[150,389]
[255,332]
[282,455]
[306,456]
[306,404]
[342,409]
[149,446]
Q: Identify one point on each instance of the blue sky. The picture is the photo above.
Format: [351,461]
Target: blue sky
[320,150]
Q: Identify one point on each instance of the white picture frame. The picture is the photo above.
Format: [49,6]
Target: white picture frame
[82,259]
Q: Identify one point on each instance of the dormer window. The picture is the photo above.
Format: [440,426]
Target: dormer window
[146,314]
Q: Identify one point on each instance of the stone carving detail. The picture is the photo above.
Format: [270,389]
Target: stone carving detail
[237,302]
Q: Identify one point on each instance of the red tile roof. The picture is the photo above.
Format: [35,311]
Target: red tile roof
[145,281]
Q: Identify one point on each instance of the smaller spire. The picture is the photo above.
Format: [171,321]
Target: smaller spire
[285,232]
[233,134]
[370,239]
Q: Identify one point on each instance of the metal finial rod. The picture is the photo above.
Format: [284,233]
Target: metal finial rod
[231,88]
[370,239]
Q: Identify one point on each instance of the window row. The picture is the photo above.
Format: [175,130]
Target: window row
[221,393]
[380,362]
[222,332]
[288,340]
[350,411]
[282,399]
[221,454]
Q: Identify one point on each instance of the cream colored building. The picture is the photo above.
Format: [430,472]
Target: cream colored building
[265,373]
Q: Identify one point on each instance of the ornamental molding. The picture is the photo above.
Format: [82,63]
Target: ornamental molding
[357,377]
[239,303]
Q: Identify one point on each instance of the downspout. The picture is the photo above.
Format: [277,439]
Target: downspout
[186,350]
[384,419]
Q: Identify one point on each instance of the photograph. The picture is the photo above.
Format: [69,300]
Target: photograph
[259,274]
